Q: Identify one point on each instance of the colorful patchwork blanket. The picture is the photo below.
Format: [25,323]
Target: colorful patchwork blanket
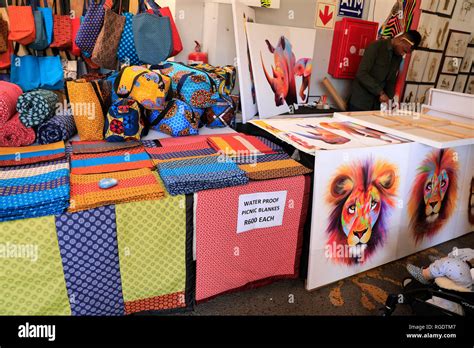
[81,147]
[273,166]
[179,152]
[17,156]
[239,144]
[197,174]
[133,185]
[34,190]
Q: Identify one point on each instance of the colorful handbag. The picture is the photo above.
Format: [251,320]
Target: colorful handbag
[3,35]
[62,27]
[149,88]
[87,105]
[177,119]
[41,39]
[22,24]
[75,25]
[152,35]
[221,114]
[124,121]
[105,50]
[48,20]
[177,43]
[224,76]
[191,85]
[90,27]
[5,58]
[126,52]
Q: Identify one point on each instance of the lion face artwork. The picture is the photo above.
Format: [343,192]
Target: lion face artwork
[433,193]
[361,196]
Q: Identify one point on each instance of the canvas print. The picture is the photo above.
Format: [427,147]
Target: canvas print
[451,65]
[427,27]
[457,43]
[440,33]
[460,83]
[467,60]
[446,82]
[281,60]
[356,224]
[432,67]
[410,93]
[417,65]
[433,195]
[248,98]
[463,13]
[422,93]
[446,7]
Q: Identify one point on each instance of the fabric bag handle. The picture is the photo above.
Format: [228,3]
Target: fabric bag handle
[162,114]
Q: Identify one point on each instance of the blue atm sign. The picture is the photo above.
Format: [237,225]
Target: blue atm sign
[351,8]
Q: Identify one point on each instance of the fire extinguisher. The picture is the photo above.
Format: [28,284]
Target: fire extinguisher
[197,56]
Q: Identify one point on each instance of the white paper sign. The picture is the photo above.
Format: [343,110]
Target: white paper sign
[261,210]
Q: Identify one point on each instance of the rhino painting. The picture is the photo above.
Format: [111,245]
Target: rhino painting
[285,71]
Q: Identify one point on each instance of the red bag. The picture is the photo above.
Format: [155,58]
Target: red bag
[5,58]
[75,25]
[177,44]
[62,28]
[22,24]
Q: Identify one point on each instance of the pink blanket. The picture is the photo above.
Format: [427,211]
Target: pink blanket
[9,94]
[13,133]
[227,260]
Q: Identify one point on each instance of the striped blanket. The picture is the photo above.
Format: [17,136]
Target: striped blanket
[111,161]
[133,185]
[178,152]
[197,174]
[79,147]
[34,190]
[16,156]
[239,144]
[273,166]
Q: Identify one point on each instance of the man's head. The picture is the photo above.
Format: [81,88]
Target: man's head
[406,42]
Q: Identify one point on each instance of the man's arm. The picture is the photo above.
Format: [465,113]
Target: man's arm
[363,73]
[390,84]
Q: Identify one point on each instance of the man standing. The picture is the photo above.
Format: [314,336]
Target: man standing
[375,80]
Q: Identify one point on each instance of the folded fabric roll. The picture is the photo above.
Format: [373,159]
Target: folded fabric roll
[177,152]
[14,133]
[239,144]
[9,94]
[101,146]
[133,185]
[112,161]
[34,190]
[197,174]
[17,156]
[273,166]
[60,127]
[36,107]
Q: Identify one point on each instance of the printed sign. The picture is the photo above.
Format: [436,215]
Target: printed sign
[261,210]
[325,13]
[351,8]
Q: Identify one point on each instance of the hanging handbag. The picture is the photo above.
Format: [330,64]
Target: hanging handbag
[126,52]
[177,43]
[152,35]
[41,39]
[48,21]
[177,119]
[75,25]
[51,72]
[62,37]
[124,121]
[22,24]
[105,50]
[25,71]
[90,27]
[151,89]
[5,58]
[3,35]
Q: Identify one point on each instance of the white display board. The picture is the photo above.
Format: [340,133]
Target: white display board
[455,102]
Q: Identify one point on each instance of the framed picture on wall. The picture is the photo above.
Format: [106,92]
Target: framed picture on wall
[440,33]
[432,67]
[427,26]
[457,43]
[430,5]
[422,93]
[417,65]
[467,60]
[463,12]
[446,7]
[446,82]
[451,65]
[410,93]
[460,83]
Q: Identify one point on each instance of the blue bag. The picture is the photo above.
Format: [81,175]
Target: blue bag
[177,119]
[41,39]
[25,71]
[126,52]
[48,20]
[51,72]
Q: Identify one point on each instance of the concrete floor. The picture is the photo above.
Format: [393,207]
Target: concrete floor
[363,294]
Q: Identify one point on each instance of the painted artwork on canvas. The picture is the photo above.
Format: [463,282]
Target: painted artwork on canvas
[433,195]
[243,14]
[361,195]
[431,69]
[281,59]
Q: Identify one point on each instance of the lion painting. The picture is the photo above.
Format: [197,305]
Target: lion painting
[433,194]
[361,195]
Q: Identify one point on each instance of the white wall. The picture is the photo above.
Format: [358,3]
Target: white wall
[189,18]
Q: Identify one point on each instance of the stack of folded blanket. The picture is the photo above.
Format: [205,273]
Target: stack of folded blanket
[181,151]
[16,156]
[197,174]
[239,145]
[37,186]
[273,166]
